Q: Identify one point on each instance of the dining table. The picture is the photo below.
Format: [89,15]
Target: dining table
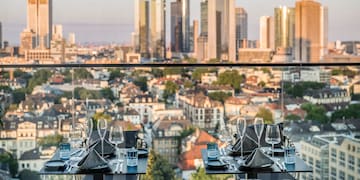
[278,170]
[114,170]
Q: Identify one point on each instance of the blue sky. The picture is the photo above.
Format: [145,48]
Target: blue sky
[118,14]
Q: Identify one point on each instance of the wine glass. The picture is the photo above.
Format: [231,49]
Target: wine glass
[241,129]
[117,137]
[272,136]
[226,137]
[259,128]
[101,128]
[76,135]
[88,130]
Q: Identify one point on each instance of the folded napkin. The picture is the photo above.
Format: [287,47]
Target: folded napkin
[109,148]
[93,161]
[257,159]
[250,141]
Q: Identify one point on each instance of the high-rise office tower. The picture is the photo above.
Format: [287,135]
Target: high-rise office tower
[180,26]
[284,20]
[241,28]
[324,31]
[176,27]
[27,41]
[267,32]
[185,6]
[158,28]
[1,36]
[141,34]
[39,21]
[195,36]
[72,38]
[57,32]
[204,17]
[221,29]
[309,30]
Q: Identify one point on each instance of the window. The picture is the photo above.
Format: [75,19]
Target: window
[342,159]
[351,162]
[333,172]
[333,152]
[341,175]
[350,177]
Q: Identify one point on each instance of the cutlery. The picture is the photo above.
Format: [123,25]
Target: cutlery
[279,166]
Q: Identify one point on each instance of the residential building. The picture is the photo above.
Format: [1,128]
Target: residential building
[331,99]
[27,41]
[57,32]
[221,30]
[39,21]
[314,74]
[166,132]
[35,159]
[201,110]
[233,105]
[202,52]
[191,146]
[310,30]
[145,105]
[267,32]
[331,157]
[180,26]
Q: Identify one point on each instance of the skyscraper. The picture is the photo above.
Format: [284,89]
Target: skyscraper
[221,29]
[72,38]
[1,41]
[267,32]
[141,35]
[309,30]
[241,28]
[285,28]
[180,26]
[39,21]
[195,36]
[185,6]
[158,28]
[204,17]
[324,31]
[57,32]
[176,27]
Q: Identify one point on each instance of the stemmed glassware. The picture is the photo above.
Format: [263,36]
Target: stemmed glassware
[241,129]
[226,137]
[89,126]
[76,135]
[272,136]
[259,128]
[117,137]
[101,128]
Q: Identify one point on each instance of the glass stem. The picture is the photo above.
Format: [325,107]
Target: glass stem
[102,148]
[272,145]
[242,148]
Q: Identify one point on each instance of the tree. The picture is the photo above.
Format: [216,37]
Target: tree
[198,72]
[142,83]
[7,158]
[352,112]
[157,72]
[158,168]
[232,78]
[19,95]
[40,77]
[266,115]
[262,84]
[83,94]
[5,89]
[299,89]
[188,84]
[170,89]
[27,174]
[201,175]
[51,140]
[107,93]
[115,73]
[293,117]
[173,71]
[219,96]
[315,113]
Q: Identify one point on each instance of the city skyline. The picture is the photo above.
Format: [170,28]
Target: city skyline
[120,23]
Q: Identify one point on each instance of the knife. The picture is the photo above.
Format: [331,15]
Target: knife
[280,166]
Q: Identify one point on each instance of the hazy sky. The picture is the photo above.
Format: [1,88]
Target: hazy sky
[116,17]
